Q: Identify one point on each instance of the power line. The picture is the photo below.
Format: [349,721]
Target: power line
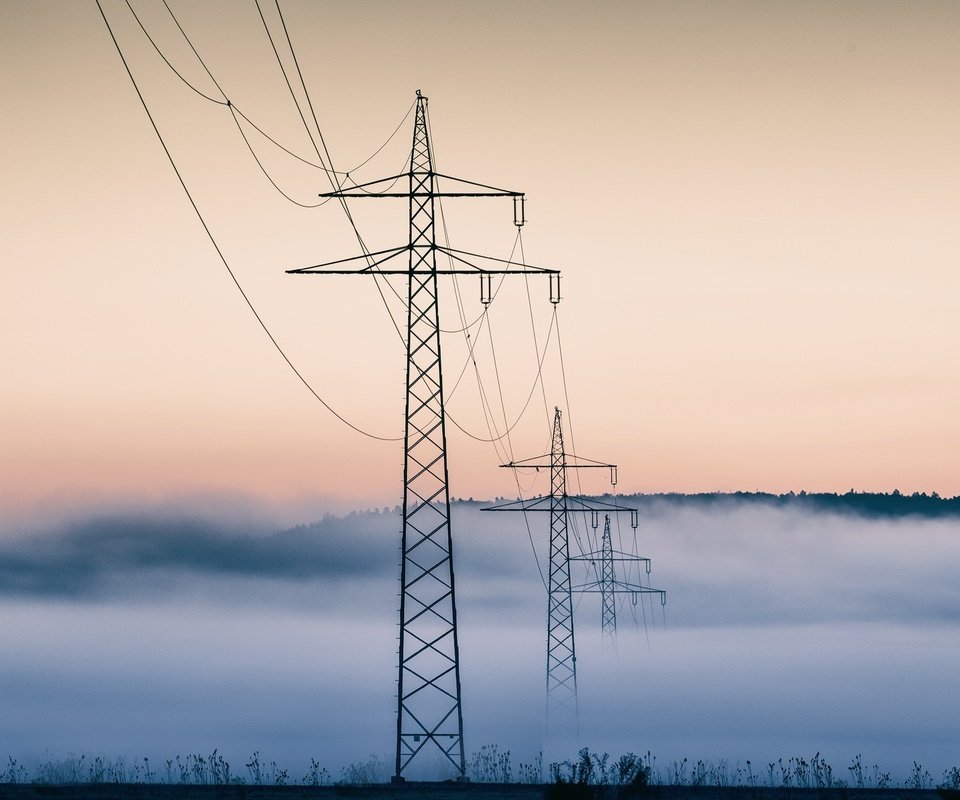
[533,327]
[237,111]
[224,102]
[267,174]
[216,247]
[331,173]
[190,44]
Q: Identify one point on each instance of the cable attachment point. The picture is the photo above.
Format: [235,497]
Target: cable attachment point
[486,289]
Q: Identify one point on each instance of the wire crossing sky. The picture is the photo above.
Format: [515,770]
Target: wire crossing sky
[753,206]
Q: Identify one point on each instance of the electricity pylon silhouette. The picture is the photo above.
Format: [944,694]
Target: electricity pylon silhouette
[429,711]
[607,584]
[563,720]
[608,600]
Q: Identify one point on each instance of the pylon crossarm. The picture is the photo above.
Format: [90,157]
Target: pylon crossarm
[494,191]
[361,189]
[617,588]
[361,186]
[520,267]
[474,271]
[544,463]
[320,269]
[574,503]
[380,257]
[617,556]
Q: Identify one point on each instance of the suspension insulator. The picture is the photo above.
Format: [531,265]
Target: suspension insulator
[613,474]
[486,289]
[633,518]
[555,287]
[519,212]
[594,519]
[633,596]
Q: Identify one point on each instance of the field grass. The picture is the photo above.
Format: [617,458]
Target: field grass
[489,765]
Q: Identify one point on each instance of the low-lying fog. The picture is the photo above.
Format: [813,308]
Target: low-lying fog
[786,633]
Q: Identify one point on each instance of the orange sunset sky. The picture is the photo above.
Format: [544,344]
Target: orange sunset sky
[754,205]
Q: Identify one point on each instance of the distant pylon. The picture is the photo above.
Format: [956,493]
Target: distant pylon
[429,710]
[608,598]
[562,704]
[607,584]
[562,720]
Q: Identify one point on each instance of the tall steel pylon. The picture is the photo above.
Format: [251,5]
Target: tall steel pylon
[608,599]
[563,717]
[607,584]
[561,647]
[429,711]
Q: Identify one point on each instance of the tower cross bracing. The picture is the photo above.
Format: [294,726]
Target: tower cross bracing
[429,711]
[562,713]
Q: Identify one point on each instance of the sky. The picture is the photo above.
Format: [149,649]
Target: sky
[753,207]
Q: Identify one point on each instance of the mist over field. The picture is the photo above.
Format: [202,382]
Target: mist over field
[791,628]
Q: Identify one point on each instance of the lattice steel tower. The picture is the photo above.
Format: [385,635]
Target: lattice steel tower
[608,598]
[429,712]
[563,722]
[607,584]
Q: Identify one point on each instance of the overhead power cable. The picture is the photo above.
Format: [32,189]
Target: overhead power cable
[327,170]
[331,173]
[533,328]
[238,111]
[471,344]
[188,84]
[266,174]
[216,247]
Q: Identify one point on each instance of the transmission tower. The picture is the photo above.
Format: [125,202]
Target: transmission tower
[607,585]
[608,600]
[429,713]
[562,708]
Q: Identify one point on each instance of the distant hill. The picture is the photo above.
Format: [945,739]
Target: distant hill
[863,504]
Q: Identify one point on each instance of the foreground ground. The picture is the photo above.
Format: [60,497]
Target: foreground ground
[447,791]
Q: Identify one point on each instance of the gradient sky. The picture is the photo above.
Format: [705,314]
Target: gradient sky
[753,204]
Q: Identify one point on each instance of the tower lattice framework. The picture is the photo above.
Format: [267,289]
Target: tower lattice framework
[429,711]
[428,687]
[608,579]
[562,720]
[562,709]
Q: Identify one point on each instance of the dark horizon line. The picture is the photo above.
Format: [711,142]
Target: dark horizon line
[864,504]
